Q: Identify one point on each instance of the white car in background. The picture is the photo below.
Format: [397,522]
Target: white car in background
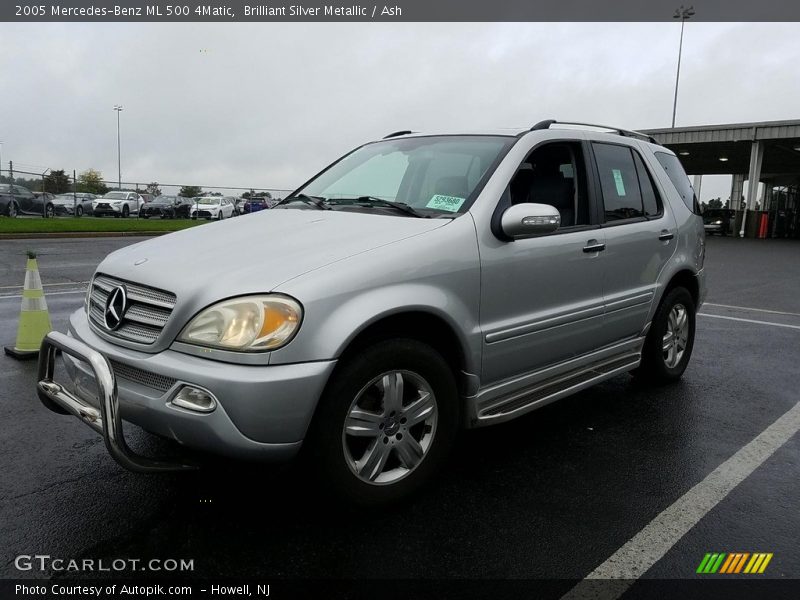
[212,207]
[117,204]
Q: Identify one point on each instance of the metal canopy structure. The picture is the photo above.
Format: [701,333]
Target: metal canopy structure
[702,148]
[767,151]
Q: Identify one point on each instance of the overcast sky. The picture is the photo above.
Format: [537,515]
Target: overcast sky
[267,105]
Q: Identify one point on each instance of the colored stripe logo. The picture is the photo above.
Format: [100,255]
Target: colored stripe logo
[734,562]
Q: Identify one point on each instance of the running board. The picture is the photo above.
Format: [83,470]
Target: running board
[499,408]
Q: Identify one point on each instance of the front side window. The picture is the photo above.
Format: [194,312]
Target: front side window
[619,182]
[434,175]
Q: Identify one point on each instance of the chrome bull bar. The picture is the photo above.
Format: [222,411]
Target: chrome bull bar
[105,420]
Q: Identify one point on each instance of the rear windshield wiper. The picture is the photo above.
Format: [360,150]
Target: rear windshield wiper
[402,207]
[313,201]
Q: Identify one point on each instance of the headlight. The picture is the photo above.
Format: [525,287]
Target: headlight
[717,222]
[245,324]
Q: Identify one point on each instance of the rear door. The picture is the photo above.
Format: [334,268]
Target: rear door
[639,235]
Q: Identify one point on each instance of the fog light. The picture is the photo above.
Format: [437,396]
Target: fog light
[196,399]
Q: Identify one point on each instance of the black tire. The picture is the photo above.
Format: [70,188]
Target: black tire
[220,216]
[78,211]
[654,367]
[125,211]
[12,211]
[325,443]
[49,211]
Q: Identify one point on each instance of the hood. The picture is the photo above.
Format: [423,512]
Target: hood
[255,254]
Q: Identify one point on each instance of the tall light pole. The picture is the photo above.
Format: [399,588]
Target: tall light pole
[118,108]
[1,158]
[684,14]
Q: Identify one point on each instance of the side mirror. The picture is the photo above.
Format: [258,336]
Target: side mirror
[528,219]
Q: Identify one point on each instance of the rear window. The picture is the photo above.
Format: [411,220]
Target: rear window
[679,179]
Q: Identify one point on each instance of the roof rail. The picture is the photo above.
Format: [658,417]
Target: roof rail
[396,133]
[624,132]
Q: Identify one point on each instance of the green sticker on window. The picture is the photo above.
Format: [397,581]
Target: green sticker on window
[448,203]
[618,181]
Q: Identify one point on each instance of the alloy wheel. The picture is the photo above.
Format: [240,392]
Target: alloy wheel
[676,337]
[389,427]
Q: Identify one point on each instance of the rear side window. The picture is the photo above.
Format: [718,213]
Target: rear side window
[650,199]
[619,182]
[679,179]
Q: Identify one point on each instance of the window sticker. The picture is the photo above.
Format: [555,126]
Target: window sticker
[448,203]
[618,181]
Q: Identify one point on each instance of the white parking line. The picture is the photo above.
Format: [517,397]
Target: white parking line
[650,545]
[749,321]
[764,310]
[49,294]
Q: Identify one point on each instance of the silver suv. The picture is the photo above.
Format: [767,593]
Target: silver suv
[419,285]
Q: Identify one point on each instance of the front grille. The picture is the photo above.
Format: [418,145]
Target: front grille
[146,313]
[162,383]
[204,213]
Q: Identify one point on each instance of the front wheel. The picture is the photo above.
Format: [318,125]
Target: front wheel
[125,211]
[670,340]
[49,211]
[385,423]
[79,211]
[11,212]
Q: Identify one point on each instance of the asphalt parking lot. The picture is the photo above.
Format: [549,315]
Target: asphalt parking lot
[552,495]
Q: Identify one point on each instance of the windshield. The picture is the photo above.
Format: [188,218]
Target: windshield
[4,187]
[116,195]
[207,201]
[65,199]
[436,174]
[164,200]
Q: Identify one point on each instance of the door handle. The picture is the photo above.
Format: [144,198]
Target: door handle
[594,246]
[665,235]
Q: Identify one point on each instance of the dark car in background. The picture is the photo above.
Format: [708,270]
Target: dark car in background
[26,202]
[256,204]
[73,204]
[148,198]
[167,207]
[8,207]
[719,220]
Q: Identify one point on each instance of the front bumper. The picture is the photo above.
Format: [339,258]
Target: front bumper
[107,210]
[262,412]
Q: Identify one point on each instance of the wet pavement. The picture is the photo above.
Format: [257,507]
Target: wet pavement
[550,495]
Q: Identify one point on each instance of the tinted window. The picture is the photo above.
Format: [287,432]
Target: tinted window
[650,199]
[679,179]
[618,181]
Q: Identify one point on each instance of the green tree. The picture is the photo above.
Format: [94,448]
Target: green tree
[57,182]
[190,191]
[91,182]
[715,203]
[152,188]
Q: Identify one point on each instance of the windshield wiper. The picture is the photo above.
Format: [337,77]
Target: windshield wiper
[318,202]
[402,207]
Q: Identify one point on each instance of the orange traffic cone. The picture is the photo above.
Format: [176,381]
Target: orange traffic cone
[34,319]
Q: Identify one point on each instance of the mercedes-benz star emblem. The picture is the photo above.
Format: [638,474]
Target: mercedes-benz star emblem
[115,308]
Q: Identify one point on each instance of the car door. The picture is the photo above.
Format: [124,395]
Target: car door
[26,200]
[542,297]
[639,234]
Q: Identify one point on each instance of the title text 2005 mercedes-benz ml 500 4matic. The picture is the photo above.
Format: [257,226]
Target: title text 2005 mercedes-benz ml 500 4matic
[418,285]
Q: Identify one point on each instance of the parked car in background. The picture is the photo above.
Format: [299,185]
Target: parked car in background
[167,207]
[212,207]
[147,198]
[26,202]
[74,204]
[118,204]
[719,220]
[8,206]
[252,205]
